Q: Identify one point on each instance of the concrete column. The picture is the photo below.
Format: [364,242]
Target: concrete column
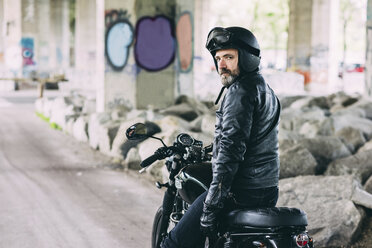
[43,44]
[157,78]
[12,36]
[59,36]
[312,40]
[368,71]
[185,32]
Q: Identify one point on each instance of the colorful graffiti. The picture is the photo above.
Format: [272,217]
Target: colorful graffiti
[185,41]
[119,37]
[27,51]
[155,43]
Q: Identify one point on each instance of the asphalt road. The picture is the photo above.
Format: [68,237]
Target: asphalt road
[58,192]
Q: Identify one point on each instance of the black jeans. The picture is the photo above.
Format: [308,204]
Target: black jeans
[187,232]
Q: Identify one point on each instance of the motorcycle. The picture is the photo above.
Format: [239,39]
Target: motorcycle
[190,174]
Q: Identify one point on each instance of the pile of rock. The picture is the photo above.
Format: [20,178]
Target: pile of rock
[325,148]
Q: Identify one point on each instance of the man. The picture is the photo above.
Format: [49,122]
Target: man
[245,161]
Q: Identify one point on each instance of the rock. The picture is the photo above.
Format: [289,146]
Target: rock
[121,145]
[39,105]
[320,102]
[296,161]
[358,165]
[368,185]
[333,218]
[80,129]
[196,125]
[199,107]
[62,109]
[172,123]
[96,120]
[353,138]
[208,124]
[301,103]
[366,105]
[335,123]
[286,101]
[366,146]
[107,133]
[293,119]
[183,110]
[325,150]
[89,106]
[285,144]
[288,135]
[133,159]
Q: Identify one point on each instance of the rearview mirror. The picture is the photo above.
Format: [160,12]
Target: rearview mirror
[137,131]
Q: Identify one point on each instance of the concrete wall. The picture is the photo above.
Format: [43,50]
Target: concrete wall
[312,40]
[148,52]
[368,72]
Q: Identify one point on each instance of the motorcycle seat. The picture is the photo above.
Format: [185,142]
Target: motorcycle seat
[267,217]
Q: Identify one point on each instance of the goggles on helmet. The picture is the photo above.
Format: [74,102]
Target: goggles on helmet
[218,37]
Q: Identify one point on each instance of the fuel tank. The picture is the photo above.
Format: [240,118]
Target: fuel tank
[193,180]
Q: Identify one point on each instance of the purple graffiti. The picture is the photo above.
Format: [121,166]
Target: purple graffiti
[155,43]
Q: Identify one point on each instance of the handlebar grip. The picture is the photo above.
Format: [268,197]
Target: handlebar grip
[148,161]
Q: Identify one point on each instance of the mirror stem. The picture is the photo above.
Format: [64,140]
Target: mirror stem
[159,139]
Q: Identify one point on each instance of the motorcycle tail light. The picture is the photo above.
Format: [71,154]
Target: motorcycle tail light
[302,240]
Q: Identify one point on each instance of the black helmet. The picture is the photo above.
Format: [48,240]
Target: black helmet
[239,38]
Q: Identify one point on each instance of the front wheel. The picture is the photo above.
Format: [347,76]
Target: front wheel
[157,236]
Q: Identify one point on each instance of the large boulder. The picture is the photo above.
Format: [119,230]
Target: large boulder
[325,150]
[353,138]
[183,110]
[208,124]
[335,123]
[107,133]
[333,218]
[121,145]
[80,128]
[296,161]
[366,146]
[293,118]
[358,165]
[96,121]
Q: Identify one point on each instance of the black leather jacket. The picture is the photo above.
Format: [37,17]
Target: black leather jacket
[245,149]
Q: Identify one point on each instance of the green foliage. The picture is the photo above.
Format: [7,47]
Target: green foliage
[51,124]
[41,116]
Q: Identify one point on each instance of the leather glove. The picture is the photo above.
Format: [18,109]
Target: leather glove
[208,223]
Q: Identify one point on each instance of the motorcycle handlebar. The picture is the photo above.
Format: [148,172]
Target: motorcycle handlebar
[148,161]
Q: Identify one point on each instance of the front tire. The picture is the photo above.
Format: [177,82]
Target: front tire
[156,237]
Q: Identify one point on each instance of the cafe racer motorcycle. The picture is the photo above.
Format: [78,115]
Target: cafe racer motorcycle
[190,174]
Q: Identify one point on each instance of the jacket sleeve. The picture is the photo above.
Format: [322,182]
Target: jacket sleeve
[235,129]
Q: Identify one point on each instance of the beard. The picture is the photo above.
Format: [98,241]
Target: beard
[228,77]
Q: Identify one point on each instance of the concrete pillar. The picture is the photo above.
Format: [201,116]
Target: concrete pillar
[312,40]
[155,52]
[59,36]
[368,71]
[148,53]
[43,45]
[12,36]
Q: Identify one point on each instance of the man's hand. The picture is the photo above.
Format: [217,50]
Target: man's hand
[208,223]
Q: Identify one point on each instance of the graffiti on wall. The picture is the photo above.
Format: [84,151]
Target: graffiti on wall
[155,43]
[119,36]
[185,41]
[27,45]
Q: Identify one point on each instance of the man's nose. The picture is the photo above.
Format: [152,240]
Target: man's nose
[222,64]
